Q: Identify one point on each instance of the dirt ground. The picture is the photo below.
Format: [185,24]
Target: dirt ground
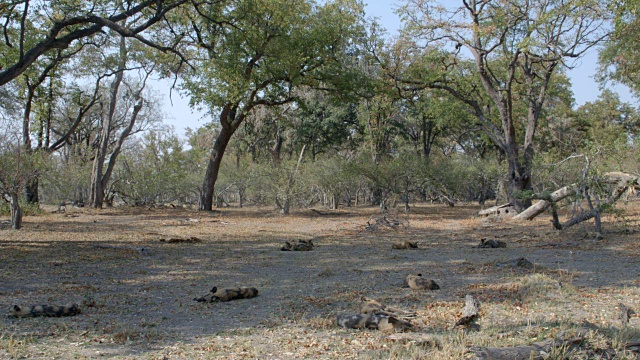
[135,279]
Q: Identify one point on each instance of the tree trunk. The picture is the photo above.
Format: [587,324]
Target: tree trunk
[544,204]
[406,201]
[286,205]
[100,177]
[97,184]
[31,187]
[240,197]
[213,167]
[519,182]
[376,197]
[31,191]
[16,211]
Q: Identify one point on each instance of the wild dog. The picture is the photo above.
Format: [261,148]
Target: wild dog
[417,282]
[228,294]
[371,306]
[44,310]
[372,322]
[405,245]
[302,245]
[492,244]
[375,307]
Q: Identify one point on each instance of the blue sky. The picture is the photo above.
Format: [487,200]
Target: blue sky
[585,88]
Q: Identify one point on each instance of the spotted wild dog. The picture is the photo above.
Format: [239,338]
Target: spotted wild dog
[372,322]
[44,310]
[417,282]
[302,245]
[491,244]
[405,245]
[371,306]
[228,294]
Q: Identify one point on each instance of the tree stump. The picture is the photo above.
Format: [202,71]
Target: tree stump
[470,311]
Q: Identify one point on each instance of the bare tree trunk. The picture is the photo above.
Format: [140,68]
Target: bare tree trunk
[213,168]
[97,185]
[100,180]
[31,187]
[16,211]
[31,191]
[123,136]
[286,205]
[623,181]
[542,205]
[519,181]
[240,197]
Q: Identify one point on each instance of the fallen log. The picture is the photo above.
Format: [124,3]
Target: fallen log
[539,350]
[623,186]
[505,210]
[542,205]
[536,351]
[623,182]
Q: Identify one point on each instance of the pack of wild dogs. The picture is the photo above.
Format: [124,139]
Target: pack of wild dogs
[373,315]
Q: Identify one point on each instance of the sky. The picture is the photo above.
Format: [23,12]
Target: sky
[584,86]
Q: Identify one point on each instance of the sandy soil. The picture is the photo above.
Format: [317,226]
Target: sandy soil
[135,286]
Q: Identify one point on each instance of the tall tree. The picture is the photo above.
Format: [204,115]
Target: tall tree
[257,52]
[33,28]
[499,58]
[620,59]
[17,167]
[43,99]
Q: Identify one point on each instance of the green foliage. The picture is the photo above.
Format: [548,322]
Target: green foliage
[65,181]
[334,178]
[158,170]
[619,59]
[248,50]
[596,138]
[28,209]
[464,178]
[18,166]
[324,124]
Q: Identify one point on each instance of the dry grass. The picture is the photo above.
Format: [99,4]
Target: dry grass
[136,290]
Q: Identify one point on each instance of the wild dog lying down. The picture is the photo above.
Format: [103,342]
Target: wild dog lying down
[492,244]
[228,294]
[417,282]
[302,245]
[372,322]
[405,245]
[44,310]
[371,306]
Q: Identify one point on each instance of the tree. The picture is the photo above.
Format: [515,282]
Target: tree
[499,58]
[256,52]
[44,112]
[156,170]
[619,58]
[32,29]
[608,121]
[17,167]
[323,122]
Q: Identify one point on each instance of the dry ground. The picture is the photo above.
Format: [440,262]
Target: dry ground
[136,290]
